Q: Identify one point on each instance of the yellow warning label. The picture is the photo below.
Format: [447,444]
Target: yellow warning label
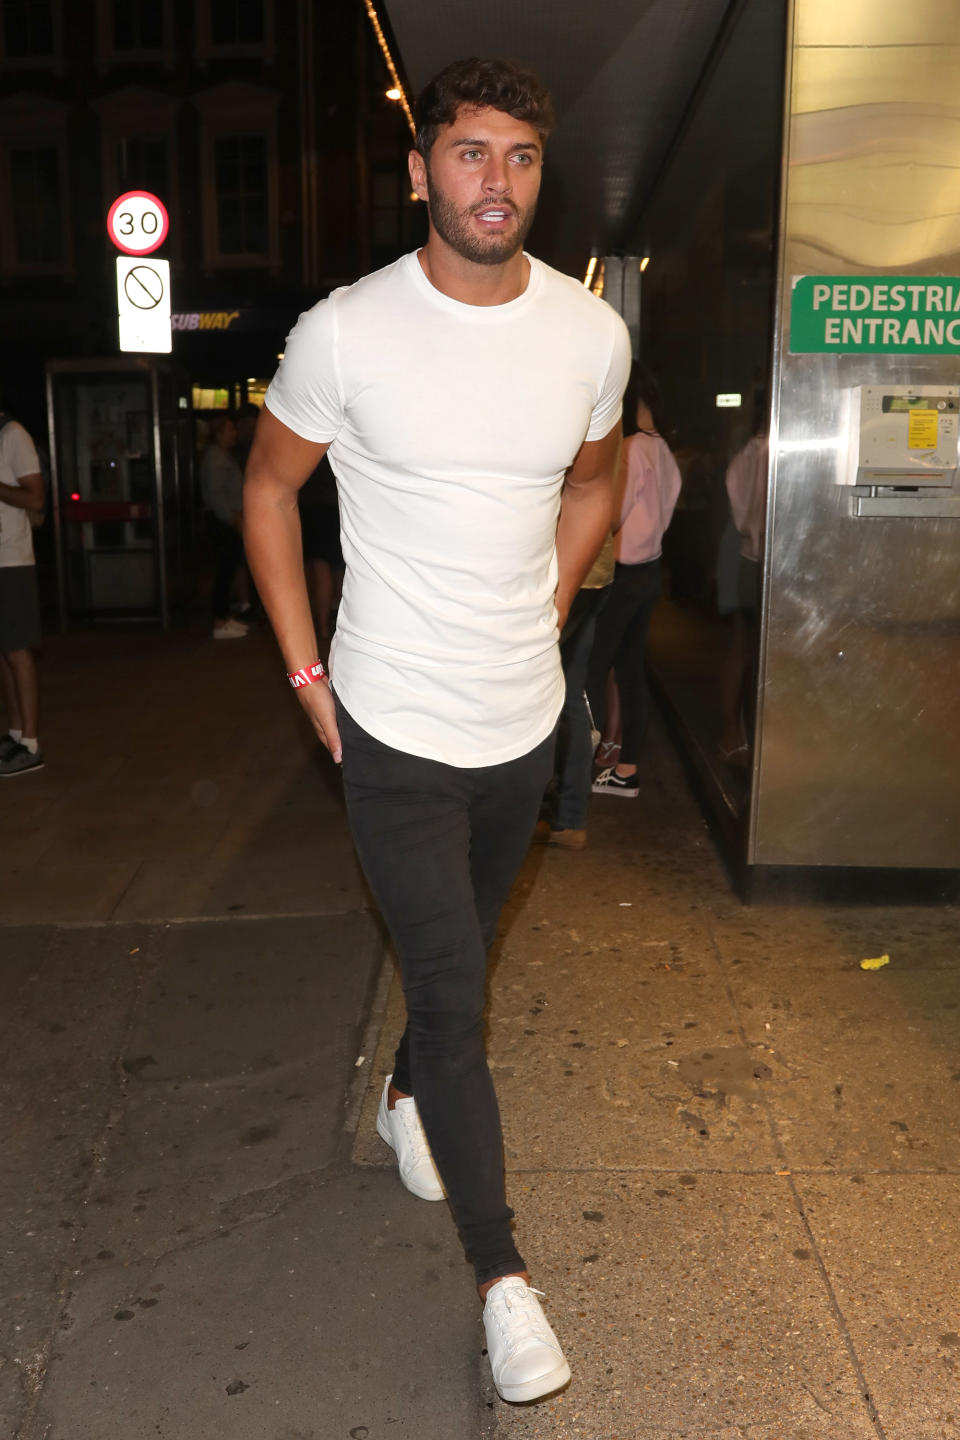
[922,432]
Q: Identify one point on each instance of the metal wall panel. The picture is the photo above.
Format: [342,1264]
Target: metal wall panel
[860,722]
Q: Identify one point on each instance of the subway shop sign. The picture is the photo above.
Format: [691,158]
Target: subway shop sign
[875,315]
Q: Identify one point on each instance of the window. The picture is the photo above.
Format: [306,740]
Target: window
[35,236]
[137,24]
[37,205]
[236,22]
[30,35]
[27,29]
[138,128]
[240,178]
[142,164]
[235,27]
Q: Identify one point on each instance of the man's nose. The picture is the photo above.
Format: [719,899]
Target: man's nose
[496,177]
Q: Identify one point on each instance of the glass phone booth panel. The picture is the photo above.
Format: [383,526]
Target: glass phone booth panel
[116,483]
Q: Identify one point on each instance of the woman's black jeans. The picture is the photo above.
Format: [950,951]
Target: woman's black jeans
[440,847]
[621,642]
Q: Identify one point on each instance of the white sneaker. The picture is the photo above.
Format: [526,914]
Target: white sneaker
[525,1355]
[228,630]
[403,1132]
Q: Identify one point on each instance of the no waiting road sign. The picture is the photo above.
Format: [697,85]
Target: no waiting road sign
[137,222]
[143,305]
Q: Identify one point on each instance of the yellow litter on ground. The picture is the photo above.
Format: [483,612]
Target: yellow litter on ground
[876,964]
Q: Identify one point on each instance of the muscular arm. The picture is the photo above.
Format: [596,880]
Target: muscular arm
[586,511]
[27,494]
[280,461]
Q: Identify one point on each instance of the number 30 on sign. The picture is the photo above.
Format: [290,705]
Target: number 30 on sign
[137,222]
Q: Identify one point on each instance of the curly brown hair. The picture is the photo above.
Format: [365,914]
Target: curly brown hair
[478,84]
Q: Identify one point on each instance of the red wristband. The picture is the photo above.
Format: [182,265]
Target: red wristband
[307,675]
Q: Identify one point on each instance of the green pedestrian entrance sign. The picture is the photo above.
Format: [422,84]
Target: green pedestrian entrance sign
[875,315]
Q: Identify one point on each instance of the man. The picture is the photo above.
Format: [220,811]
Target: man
[21,492]
[470,398]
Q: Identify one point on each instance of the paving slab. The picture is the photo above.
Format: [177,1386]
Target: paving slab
[67,998]
[71,891]
[889,1246]
[236,1073]
[872,1061]
[289,1326]
[612,1033]
[689,1306]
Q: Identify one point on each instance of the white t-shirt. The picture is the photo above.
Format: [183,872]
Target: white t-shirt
[451,428]
[18,457]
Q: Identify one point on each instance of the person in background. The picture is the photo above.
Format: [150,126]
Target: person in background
[576,737]
[21,492]
[651,484]
[221,488]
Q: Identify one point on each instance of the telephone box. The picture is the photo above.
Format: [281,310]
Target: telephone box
[123,504]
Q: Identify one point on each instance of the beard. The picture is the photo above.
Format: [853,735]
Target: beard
[453,226]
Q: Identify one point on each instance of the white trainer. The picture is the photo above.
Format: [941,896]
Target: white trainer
[403,1132]
[228,630]
[525,1355]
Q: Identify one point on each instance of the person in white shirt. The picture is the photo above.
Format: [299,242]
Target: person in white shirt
[21,492]
[651,485]
[469,399]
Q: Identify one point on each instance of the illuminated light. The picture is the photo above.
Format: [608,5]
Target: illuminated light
[75,495]
[591,267]
[644,263]
[414,195]
[393,93]
[280,355]
[729,402]
[388,58]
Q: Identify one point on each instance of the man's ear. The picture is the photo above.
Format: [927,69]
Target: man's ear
[418,173]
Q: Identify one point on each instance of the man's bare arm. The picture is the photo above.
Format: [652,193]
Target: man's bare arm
[280,461]
[27,494]
[586,512]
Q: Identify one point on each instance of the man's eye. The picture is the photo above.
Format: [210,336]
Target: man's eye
[522,159]
[471,155]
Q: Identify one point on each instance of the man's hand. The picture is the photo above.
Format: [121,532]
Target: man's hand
[317,700]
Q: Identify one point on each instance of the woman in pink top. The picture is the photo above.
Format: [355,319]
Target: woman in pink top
[651,485]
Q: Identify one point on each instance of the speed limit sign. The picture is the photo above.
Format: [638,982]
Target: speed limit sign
[137,222]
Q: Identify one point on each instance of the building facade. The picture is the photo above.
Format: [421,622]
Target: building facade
[263,126]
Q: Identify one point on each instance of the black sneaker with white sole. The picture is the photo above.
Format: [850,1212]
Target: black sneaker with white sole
[608,782]
[19,761]
[8,746]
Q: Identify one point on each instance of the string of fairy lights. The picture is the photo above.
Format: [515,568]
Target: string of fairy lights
[396,91]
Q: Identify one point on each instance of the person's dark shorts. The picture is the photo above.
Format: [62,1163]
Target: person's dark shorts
[19,608]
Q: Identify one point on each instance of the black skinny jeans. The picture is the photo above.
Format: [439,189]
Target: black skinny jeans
[440,847]
[621,642]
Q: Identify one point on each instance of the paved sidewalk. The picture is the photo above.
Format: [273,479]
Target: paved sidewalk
[733,1152]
